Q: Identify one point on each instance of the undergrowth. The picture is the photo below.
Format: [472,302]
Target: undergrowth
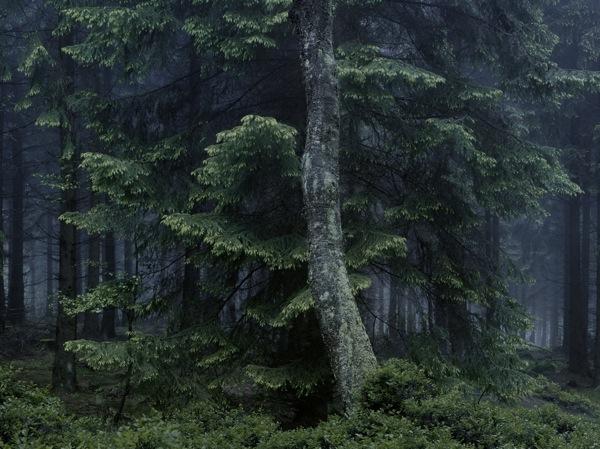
[401,407]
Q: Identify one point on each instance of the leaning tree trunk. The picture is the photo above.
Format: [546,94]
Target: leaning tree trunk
[350,353]
[63,372]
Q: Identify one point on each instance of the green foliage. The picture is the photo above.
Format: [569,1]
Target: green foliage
[421,414]
[27,412]
[395,383]
[428,149]
[119,293]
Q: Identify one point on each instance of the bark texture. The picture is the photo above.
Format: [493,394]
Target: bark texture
[349,349]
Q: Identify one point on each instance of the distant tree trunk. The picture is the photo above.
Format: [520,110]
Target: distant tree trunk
[49,264]
[566,275]
[16,287]
[583,320]
[577,308]
[2,292]
[396,316]
[190,298]
[129,268]
[63,372]
[128,258]
[554,325]
[597,342]
[91,323]
[349,349]
[108,315]
[492,223]
[544,333]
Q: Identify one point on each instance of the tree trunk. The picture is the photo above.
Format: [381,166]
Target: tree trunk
[577,309]
[583,320]
[597,342]
[492,231]
[2,294]
[566,276]
[554,324]
[350,353]
[49,265]
[190,299]
[108,315]
[16,287]
[63,372]
[91,324]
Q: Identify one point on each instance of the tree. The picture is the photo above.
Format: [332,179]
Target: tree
[347,343]
[91,324]
[64,370]
[16,289]
[2,236]
[107,326]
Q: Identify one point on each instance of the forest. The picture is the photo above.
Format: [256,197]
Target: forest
[300,224]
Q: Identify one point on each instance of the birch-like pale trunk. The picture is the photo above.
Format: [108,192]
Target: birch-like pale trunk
[349,349]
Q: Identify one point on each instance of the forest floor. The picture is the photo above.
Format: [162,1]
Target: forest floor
[99,393]
[30,350]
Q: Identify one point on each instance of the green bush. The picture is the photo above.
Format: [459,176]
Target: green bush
[402,407]
[25,410]
[395,384]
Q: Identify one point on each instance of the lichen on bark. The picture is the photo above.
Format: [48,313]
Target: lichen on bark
[349,349]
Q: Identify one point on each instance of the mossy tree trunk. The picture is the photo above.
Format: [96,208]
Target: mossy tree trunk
[349,349]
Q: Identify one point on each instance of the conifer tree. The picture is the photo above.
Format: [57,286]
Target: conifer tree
[64,370]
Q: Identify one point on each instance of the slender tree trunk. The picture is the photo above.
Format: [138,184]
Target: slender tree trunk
[190,298]
[16,287]
[492,223]
[128,258]
[2,293]
[64,373]
[597,342]
[108,315]
[566,275]
[91,323]
[350,353]
[586,199]
[49,265]
[554,325]
[577,349]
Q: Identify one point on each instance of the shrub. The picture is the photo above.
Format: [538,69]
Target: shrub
[402,408]
[395,384]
